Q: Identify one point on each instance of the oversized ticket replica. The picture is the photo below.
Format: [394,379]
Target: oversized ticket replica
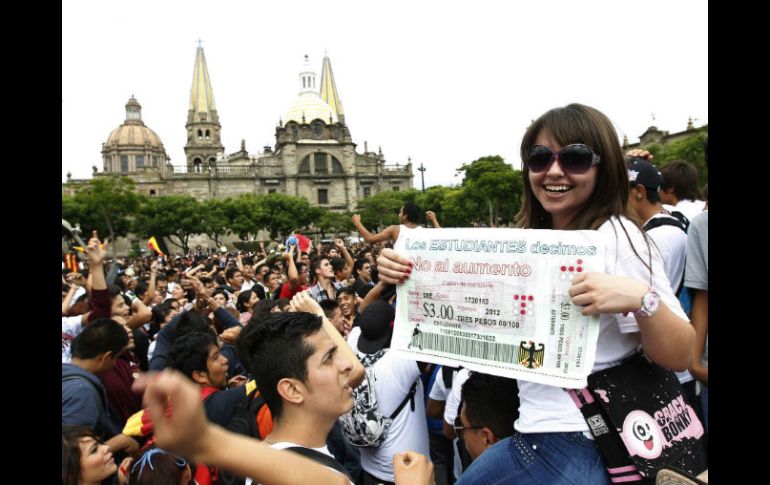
[496,301]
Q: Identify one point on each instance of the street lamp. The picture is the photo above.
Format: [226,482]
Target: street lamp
[422,175]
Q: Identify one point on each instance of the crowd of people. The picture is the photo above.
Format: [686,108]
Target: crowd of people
[162,357]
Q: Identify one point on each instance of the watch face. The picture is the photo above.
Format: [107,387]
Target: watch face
[651,302]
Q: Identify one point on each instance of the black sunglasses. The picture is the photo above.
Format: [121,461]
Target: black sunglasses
[574,159]
[459,428]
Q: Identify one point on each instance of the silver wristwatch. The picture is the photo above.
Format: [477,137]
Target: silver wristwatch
[650,304]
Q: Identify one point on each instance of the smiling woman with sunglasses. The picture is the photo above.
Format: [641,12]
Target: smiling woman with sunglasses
[577,179]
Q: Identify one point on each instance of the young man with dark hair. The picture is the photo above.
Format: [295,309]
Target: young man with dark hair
[325,286]
[679,189]
[347,300]
[234,279]
[306,374]
[197,355]
[362,270]
[490,406]
[334,314]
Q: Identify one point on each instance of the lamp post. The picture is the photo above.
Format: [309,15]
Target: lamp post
[422,175]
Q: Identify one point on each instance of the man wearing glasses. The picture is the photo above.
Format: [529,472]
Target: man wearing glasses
[490,405]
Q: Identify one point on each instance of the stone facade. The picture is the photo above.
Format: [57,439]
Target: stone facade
[654,135]
[312,158]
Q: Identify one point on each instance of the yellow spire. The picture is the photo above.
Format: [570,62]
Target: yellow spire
[201,94]
[329,88]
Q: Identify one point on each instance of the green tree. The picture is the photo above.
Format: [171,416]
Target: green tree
[492,186]
[214,218]
[691,149]
[175,217]
[381,210]
[457,209]
[335,222]
[284,213]
[246,215]
[107,204]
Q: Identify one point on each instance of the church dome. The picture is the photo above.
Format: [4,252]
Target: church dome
[133,131]
[309,102]
[311,106]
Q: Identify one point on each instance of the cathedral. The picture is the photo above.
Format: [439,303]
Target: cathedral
[314,156]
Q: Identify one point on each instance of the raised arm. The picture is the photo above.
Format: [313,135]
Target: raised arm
[75,280]
[431,217]
[292,273]
[181,426]
[373,295]
[340,244]
[390,232]
[150,293]
[667,339]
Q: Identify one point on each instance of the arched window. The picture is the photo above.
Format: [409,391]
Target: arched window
[294,131]
[200,134]
[318,129]
[212,161]
[336,165]
[208,135]
[323,196]
[198,165]
[123,163]
[320,163]
[139,161]
[304,165]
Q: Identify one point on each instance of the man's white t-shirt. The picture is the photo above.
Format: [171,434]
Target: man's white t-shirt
[393,377]
[71,326]
[672,244]
[549,409]
[282,445]
[690,208]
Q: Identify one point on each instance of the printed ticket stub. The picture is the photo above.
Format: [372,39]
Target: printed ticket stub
[496,301]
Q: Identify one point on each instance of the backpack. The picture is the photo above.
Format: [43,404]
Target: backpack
[679,220]
[251,417]
[364,425]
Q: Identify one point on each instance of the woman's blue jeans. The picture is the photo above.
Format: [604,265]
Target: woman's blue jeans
[539,458]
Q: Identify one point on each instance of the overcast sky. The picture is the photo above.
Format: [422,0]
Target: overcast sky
[441,82]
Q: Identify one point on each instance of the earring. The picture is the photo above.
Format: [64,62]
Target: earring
[638,197]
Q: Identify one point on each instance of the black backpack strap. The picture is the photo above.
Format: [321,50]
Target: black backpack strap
[667,221]
[409,397]
[321,458]
[447,373]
